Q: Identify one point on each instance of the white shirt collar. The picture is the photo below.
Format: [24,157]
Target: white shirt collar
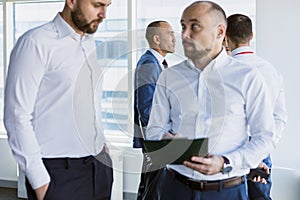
[241,49]
[159,57]
[64,29]
[212,64]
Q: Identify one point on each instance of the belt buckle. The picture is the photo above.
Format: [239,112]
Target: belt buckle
[202,183]
[201,186]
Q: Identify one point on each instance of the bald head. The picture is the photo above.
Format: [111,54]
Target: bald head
[154,28]
[203,30]
[160,37]
[210,8]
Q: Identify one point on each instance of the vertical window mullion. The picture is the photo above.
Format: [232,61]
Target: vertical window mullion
[132,57]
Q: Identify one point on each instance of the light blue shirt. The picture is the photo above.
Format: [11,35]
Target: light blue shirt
[274,81]
[219,103]
[52,98]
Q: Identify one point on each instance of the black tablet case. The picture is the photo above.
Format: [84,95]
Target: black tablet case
[176,150]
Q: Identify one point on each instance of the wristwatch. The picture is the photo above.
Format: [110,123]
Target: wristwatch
[226,166]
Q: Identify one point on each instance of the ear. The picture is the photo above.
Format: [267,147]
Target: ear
[221,31]
[251,37]
[229,43]
[226,37]
[71,3]
[156,39]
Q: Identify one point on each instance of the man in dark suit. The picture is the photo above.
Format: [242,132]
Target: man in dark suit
[161,40]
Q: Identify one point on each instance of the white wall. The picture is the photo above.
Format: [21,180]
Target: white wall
[277,27]
[278,41]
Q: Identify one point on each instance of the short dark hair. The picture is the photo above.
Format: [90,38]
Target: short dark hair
[239,28]
[153,29]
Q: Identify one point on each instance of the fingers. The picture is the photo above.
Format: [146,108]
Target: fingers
[205,165]
[264,166]
[198,163]
[200,160]
[267,169]
[178,135]
[258,179]
[202,168]
[41,191]
[168,136]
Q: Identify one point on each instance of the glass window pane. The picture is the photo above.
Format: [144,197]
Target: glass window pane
[171,12]
[112,46]
[30,15]
[20,18]
[112,52]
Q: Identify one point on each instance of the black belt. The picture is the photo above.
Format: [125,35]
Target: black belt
[207,185]
[78,163]
[66,162]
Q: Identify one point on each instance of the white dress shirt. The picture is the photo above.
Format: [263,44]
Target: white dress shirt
[219,103]
[52,98]
[273,80]
[159,58]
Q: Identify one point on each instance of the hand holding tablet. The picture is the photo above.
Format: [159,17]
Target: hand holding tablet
[176,150]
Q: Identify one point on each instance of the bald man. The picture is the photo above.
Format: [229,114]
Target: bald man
[211,95]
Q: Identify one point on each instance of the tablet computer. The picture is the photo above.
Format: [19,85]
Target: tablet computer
[176,150]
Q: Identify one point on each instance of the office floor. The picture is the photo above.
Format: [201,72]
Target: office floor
[8,194]
[11,194]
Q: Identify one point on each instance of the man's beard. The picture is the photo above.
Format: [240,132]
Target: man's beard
[194,52]
[81,22]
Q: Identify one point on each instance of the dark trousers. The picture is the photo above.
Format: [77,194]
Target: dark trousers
[170,188]
[260,191]
[149,179]
[88,178]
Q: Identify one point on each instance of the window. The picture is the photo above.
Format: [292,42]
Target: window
[171,12]
[30,14]
[19,18]
[112,53]
[120,41]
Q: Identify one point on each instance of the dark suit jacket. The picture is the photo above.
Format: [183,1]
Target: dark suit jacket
[146,74]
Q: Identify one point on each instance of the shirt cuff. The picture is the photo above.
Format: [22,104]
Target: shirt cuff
[37,175]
